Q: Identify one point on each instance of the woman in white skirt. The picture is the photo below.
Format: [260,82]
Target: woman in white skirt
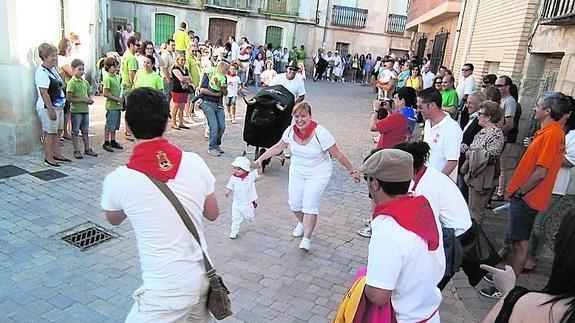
[310,169]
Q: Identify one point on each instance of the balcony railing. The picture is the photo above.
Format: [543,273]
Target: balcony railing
[348,17]
[237,5]
[280,7]
[558,12]
[396,24]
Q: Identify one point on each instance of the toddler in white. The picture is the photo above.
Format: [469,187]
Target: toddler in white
[242,184]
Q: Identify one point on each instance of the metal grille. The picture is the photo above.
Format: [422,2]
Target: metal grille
[164,27]
[342,48]
[274,36]
[87,238]
[421,43]
[439,45]
[8,171]
[48,174]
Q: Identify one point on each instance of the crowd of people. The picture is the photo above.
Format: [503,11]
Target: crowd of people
[415,229]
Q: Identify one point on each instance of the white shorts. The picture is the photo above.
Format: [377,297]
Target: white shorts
[305,192]
[48,125]
[162,306]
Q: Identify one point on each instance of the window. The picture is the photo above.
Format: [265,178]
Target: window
[165,26]
[274,36]
[342,48]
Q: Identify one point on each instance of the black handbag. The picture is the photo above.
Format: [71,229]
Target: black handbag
[477,250]
[218,300]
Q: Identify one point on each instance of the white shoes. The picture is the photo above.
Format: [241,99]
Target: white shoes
[305,244]
[298,230]
[233,235]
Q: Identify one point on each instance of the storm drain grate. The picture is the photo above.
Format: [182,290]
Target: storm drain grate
[87,238]
[48,174]
[8,171]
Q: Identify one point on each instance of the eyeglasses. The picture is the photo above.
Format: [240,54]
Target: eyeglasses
[150,48]
[500,85]
[445,82]
[77,44]
[438,83]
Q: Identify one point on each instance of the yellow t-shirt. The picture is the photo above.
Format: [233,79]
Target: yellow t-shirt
[145,79]
[182,40]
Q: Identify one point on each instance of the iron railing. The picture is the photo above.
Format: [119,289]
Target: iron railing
[558,12]
[280,7]
[241,5]
[396,24]
[348,17]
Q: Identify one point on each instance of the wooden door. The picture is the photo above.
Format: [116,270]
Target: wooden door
[221,29]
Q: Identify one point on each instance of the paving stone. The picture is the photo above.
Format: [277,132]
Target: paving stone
[61,301]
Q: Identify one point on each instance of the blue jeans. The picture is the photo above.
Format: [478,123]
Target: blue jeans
[216,121]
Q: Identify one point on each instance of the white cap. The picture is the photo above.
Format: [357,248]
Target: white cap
[242,162]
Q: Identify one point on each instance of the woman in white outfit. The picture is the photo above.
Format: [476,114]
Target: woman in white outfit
[310,169]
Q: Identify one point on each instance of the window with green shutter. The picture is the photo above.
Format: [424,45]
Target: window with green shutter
[274,36]
[164,28]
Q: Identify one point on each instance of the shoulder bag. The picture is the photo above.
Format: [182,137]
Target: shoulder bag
[218,300]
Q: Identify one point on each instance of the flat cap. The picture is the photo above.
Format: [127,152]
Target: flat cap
[389,165]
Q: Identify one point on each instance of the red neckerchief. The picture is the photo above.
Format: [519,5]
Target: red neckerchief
[414,214]
[244,175]
[308,131]
[418,176]
[158,159]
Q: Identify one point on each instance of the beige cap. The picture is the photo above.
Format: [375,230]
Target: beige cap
[389,165]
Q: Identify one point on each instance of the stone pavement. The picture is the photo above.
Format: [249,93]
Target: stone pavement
[44,279]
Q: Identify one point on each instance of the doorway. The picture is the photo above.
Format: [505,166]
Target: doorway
[221,29]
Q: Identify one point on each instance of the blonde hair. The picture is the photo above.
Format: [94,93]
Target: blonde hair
[302,106]
[223,65]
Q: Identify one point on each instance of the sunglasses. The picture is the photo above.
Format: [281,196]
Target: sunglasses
[500,85]
[195,51]
[438,83]
[77,44]
[465,70]
[137,45]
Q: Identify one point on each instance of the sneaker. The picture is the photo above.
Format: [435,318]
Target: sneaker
[107,147]
[305,244]
[214,152]
[115,144]
[365,232]
[491,292]
[234,120]
[488,278]
[78,154]
[206,135]
[233,235]
[90,152]
[298,230]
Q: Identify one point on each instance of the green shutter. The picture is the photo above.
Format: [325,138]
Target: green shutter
[164,28]
[274,36]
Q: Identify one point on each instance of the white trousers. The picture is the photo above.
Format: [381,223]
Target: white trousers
[304,192]
[241,213]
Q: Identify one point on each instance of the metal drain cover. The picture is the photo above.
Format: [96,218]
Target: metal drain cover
[88,237]
[8,171]
[48,174]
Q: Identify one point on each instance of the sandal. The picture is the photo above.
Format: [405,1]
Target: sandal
[175,127]
[183,127]
[530,265]
[62,159]
[498,198]
[90,152]
[78,154]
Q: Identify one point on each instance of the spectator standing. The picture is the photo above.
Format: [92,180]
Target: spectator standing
[404,74]
[258,66]
[181,38]
[406,277]
[171,259]
[393,129]
[289,80]
[181,88]
[427,76]
[235,53]
[119,40]
[114,102]
[414,80]
[168,61]
[531,185]
[268,75]
[234,88]
[126,34]
[213,88]
[66,73]
[449,100]
[78,93]
[466,83]
[442,133]
[147,77]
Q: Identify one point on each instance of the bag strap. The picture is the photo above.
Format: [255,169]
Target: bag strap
[186,218]
[512,297]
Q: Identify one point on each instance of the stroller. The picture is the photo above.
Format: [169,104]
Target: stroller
[268,114]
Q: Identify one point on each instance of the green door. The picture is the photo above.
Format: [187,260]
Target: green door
[274,36]
[164,28]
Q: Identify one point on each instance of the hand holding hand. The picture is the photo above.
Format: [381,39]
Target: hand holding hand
[463,148]
[258,164]
[355,176]
[504,280]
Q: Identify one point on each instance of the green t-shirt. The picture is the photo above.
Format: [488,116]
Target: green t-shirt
[112,83]
[195,69]
[129,63]
[449,99]
[79,88]
[145,79]
[301,55]
[214,77]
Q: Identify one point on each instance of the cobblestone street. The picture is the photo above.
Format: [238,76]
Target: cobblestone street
[43,279]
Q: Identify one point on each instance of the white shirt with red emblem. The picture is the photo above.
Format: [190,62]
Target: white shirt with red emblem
[444,139]
[170,257]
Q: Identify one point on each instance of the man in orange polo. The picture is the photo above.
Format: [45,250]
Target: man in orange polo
[532,183]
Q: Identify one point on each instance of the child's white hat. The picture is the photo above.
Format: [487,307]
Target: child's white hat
[242,162]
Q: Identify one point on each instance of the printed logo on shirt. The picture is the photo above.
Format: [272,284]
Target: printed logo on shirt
[163,161]
[436,139]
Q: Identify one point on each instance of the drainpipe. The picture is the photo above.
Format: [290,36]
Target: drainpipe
[457,34]
[327,13]
[470,32]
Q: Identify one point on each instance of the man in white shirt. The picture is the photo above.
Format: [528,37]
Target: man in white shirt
[441,132]
[427,76]
[175,283]
[235,48]
[406,259]
[167,62]
[466,83]
[291,82]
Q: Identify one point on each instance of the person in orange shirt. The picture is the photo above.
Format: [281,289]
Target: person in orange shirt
[531,185]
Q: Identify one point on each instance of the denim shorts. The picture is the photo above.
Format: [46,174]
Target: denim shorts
[521,219]
[231,100]
[80,121]
[113,118]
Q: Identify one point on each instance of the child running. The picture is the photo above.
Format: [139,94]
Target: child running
[234,87]
[77,92]
[114,102]
[242,183]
